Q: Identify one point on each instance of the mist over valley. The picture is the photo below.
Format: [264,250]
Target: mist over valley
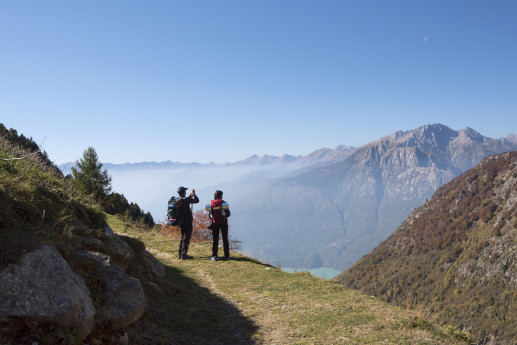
[326,209]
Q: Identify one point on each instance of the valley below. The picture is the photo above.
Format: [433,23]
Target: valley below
[326,209]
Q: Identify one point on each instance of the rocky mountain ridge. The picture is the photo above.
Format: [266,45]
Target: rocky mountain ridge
[319,155]
[338,212]
[327,208]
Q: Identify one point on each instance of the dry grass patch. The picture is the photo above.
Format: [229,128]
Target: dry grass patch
[282,308]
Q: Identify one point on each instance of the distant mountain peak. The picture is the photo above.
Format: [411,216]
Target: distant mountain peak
[435,127]
[472,134]
[430,135]
[434,130]
[343,148]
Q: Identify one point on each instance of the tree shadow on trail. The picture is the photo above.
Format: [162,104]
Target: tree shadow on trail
[180,311]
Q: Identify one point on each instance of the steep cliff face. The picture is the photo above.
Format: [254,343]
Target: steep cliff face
[334,214]
[455,257]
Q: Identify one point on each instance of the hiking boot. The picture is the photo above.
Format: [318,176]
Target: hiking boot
[214,258]
[187,257]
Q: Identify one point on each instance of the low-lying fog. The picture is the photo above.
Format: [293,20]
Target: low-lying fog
[151,188]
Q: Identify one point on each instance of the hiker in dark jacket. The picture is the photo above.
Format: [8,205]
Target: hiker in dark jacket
[219,214]
[185,220]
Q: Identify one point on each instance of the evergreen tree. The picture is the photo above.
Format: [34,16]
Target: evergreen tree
[148,219]
[90,178]
[116,203]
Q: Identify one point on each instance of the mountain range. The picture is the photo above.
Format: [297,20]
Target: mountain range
[454,258]
[70,273]
[326,209]
[333,214]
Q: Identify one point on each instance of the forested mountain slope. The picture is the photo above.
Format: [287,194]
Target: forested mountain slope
[455,257]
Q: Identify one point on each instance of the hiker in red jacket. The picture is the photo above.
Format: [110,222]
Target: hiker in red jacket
[185,221]
[219,214]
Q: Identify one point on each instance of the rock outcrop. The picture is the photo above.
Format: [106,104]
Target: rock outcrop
[153,266]
[43,287]
[119,251]
[124,297]
[63,271]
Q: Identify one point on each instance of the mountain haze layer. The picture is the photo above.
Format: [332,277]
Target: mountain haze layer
[326,209]
[72,274]
[332,215]
[455,257]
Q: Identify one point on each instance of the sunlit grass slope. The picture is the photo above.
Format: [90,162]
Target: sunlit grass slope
[37,204]
[245,301]
[241,301]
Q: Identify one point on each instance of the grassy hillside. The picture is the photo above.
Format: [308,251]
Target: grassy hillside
[245,301]
[37,204]
[241,301]
[455,257]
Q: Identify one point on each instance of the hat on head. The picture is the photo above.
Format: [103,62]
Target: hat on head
[181,189]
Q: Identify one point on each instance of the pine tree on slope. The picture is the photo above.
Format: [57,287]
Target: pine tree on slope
[90,178]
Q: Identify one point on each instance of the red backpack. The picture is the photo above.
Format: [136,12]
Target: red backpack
[218,215]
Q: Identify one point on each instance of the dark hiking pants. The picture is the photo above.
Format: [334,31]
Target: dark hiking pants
[215,237]
[186,234]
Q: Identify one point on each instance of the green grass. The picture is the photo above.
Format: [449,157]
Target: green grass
[38,205]
[453,258]
[240,301]
[243,300]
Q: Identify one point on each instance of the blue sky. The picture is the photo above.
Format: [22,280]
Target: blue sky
[222,80]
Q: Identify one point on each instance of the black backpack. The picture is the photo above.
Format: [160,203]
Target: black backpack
[173,210]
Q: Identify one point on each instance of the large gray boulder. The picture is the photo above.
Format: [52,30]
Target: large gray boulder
[153,266]
[119,251]
[124,297]
[93,244]
[43,287]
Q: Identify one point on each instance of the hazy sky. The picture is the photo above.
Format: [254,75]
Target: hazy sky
[222,80]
